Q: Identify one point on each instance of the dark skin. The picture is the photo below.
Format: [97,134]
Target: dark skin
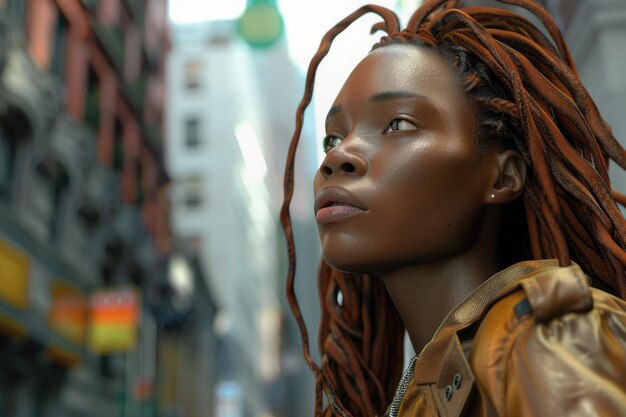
[404,194]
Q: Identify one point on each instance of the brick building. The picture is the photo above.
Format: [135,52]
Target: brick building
[83,198]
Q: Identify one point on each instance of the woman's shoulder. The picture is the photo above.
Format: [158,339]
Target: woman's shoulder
[550,344]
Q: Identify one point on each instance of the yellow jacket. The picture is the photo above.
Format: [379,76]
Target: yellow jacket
[533,340]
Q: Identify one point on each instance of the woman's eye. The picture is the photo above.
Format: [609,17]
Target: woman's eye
[330,142]
[399,125]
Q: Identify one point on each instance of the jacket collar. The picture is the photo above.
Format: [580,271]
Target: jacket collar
[469,311]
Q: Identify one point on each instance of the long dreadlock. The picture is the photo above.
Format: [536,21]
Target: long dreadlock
[530,98]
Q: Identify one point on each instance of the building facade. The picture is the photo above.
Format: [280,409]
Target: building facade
[228,130]
[83,205]
[219,199]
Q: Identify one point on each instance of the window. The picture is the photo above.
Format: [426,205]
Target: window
[131,39]
[58,53]
[194,199]
[193,71]
[192,132]
[193,192]
[139,182]
[15,135]
[92,100]
[118,147]
[5,167]
[192,243]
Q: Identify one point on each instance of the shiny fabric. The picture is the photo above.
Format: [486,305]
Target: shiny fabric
[533,340]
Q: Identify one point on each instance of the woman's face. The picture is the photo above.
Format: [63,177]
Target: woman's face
[402,182]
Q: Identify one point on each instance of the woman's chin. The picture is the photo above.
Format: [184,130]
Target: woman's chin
[341,264]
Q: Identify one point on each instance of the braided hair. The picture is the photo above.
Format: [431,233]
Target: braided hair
[529,98]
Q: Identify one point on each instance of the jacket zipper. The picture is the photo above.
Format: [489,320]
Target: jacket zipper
[402,387]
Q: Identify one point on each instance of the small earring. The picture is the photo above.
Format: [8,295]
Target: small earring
[493,196]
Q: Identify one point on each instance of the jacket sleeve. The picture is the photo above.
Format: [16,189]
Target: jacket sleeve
[553,347]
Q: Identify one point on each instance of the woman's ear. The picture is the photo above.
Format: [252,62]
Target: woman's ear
[510,180]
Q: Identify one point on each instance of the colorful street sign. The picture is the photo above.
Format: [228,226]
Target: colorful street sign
[114,320]
[68,312]
[14,273]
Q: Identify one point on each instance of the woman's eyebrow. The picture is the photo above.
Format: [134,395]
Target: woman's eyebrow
[333,111]
[384,96]
[391,95]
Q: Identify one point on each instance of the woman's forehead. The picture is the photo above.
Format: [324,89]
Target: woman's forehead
[402,69]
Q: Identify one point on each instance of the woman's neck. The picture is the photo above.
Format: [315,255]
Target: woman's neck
[425,295]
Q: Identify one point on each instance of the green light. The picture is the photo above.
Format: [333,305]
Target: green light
[261,25]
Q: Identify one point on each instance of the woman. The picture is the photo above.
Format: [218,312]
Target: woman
[464,187]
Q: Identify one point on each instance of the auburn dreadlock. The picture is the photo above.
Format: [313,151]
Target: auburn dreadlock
[530,98]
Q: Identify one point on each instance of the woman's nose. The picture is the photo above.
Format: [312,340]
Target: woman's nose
[344,159]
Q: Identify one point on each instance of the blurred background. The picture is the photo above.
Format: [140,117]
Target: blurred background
[142,144]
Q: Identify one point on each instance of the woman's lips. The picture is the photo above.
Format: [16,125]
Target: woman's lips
[336,212]
[336,203]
